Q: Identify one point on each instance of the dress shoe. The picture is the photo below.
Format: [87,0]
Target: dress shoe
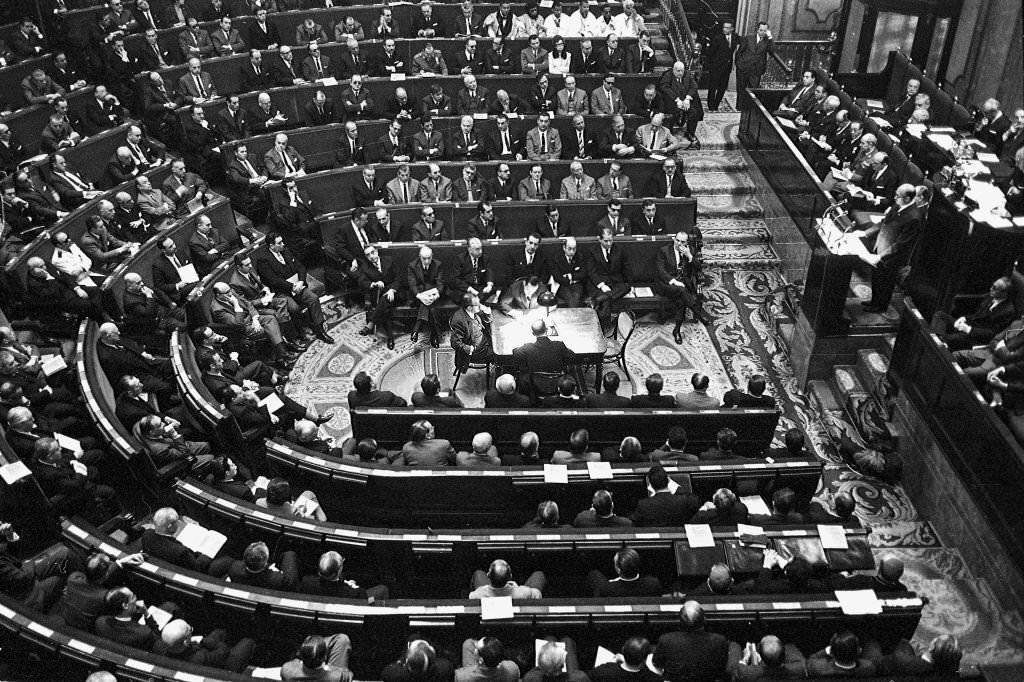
[391,343]
[677,336]
[323,419]
[326,338]
[366,331]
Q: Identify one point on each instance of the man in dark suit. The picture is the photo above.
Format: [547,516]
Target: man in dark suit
[552,225]
[994,312]
[426,284]
[378,280]
[569,270]
[468,60]
[752,61]
[256,77]
[285,275]
[504,395]
[502,188]
[401,106]
[254,569]
[469,187]
[614,220]
[296,214]
[800,99]
[653,399]
[502,143]
[896,237]
[167,272]
[284,70]
[317,66]
[245,185]
[663,507]
[393,146]
[368,192]
[471,334]
[670,182]
[608,398]
[263,34]
[753,397]
[465,144]
[436,103]
[678,90]
[542,355]
[692,653]
[607,273]
[120,356]
[366,394]
[351,61]
[121,624]
[473,274]
[992,125]
[677,281]
[721,54]
[350,150]
[527,262]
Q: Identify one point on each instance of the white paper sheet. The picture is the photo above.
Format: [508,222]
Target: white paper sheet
[858,602]
[699,535]
[599,470]
[832,537]
[496,608]
[188,273]
[13,472]
[556,473]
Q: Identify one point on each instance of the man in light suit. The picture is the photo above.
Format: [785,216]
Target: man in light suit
[536,187]
[607,99]
[435,187]
[534,58]
[655,138]
[282,161]
[196,86]
[614,185]
[542,142]
[752,62]
[578,186]
[571,100]
[403,189]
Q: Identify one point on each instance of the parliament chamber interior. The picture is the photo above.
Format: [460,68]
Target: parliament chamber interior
[472,341]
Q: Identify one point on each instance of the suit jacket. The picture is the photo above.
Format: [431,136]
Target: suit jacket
[199,248]
[494,146]
[313,116]
[275,274]
[367,274]
[189,91]
[587,188]
[421,232]
[575,104]
[394,109]
[622,227]
[665,509]
[384,65]
[670,90]
[375,399]
[351,154]
[389,150]
[543,355]
[460,190]
[614,61]
[658,185]
[394,190]
[475,227]
[534,145]
[624,188]
[502,191]
[123,359]
[420,280]
[987,321]
[466,276]
[310,73]
[528,190]
[639,62]
[232,127]
[459,150]
[571,145]
[460,61]
[428,193]
[720,54]
[599,103]
[283,73]
[422,146]
[465,103]
[751,56]
[261,38]
[642,226]
[196,44]
[882,186]
[503,62]
[364,196]
[128,632]
[667,270]
[275,164]
[514,297]
[231,43]
[442,107]
[611,271]
[98,116]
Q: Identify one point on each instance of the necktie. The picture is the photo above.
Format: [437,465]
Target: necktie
[352,146]
[175,261]
[544,143]
[467,142]
[405,192]
[615,225]
[474,266]
[579,141]
[579,189]
[199,85]
[320,109]
[668,185]
[554,227]
[469,29]
[287,161]
[506,148]
[319,70]
[610,104]
[469,190]
[159,57]
[606,254]
[529,259]
[654,138]
[361,234]
[615,184]
[536,184]
[248,167]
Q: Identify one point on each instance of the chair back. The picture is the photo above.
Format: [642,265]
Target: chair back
[625,325]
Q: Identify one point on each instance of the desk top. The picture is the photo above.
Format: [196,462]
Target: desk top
[578,328]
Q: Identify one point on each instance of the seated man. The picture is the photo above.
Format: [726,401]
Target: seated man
[753,397]
[378,281]
[177,641]
[119,356]
[255,569]
[522,296]
[698,398]
[430,394]
[206,246]
[653,398]
[365,394]
[482,453]
[993,313]
[547,511]
[473,273]
[663,507]
[607,274]
[842,658]
[725,509]
[601,513]
[628,582]
[245,322]
[497,582]
[724,448]
[320,658]
[427,285]
[286,276]
[329,581]
[160,541]
[423,449]
[565,398]
[768,660]
[504,394]
[886,578]
[579,444]
[166,445]
[182,186]
[542,356]
[677,281]
[470,334]
[783,512]
[484,659]
[674,447]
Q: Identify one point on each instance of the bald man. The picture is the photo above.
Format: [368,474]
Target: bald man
[483,453]
[283,161]
[176,641]
[160,541]
[719,582]
[542,355]
[692,653]
[769,660]
[497,582]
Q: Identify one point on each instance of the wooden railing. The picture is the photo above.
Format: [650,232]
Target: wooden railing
[793,57]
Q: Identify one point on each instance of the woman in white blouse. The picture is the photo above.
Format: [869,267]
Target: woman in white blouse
[559,59]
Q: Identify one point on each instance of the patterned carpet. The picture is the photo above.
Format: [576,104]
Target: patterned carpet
[742,272]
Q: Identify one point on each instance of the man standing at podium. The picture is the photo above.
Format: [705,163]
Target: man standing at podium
[677,281]
[894,244]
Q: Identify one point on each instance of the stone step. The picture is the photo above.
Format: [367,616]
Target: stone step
[734,231]
[728,206]
[740,256]
[722,160]
[870,366]
[846,382]
[822,398]
[720,183]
